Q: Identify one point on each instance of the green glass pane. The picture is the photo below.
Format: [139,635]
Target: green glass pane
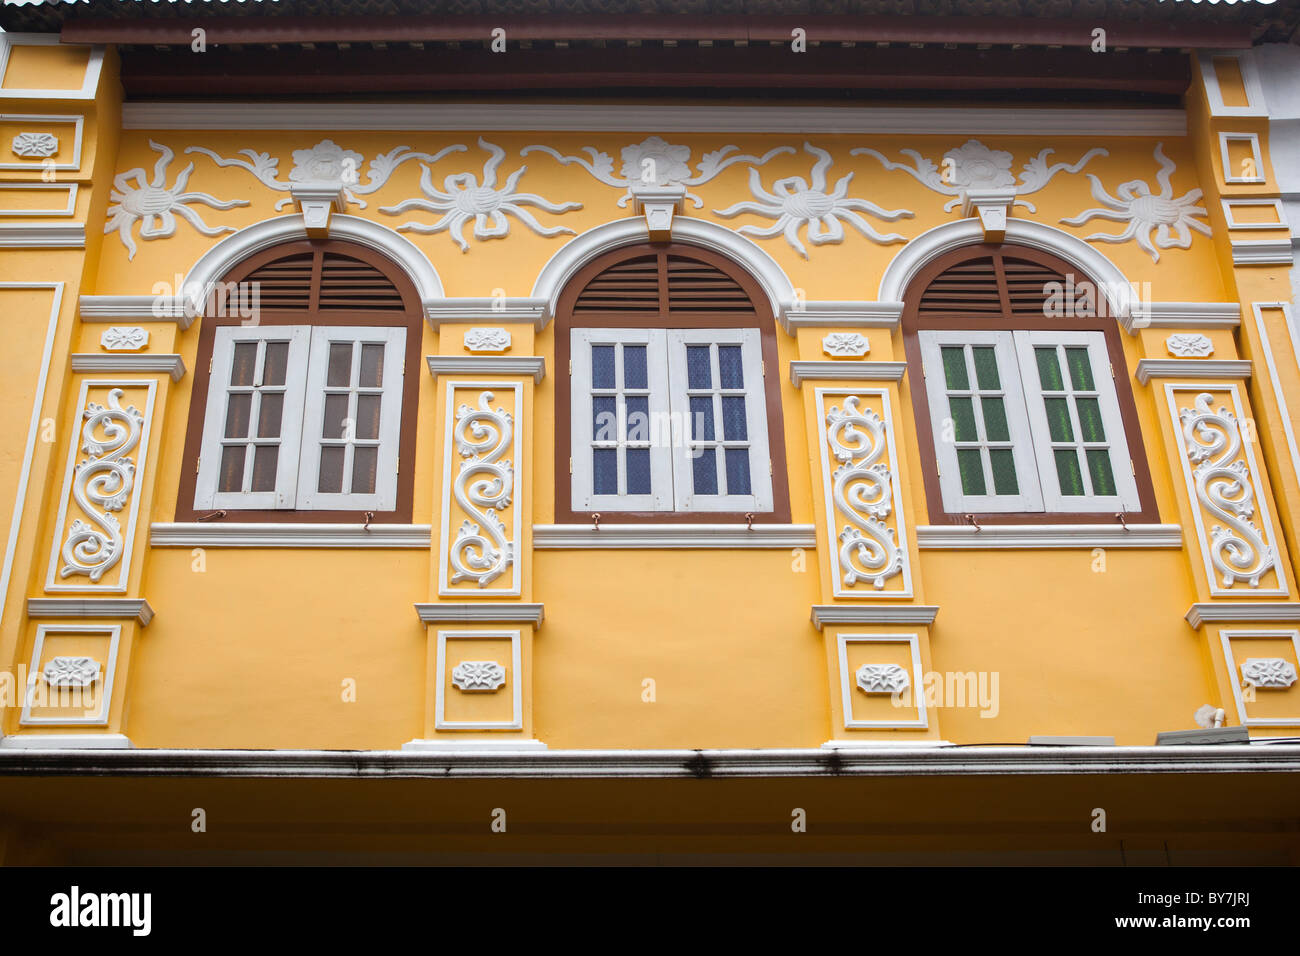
[1090,425]
[963,419]
[1067,470]
[1103,479]
[954,367]
[1080,369]
[1004,471]
[986,368]
[995,419]
[1058,419]
[1049,370]
[972,471]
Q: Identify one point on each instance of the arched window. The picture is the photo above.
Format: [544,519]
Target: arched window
[1023,406]
[302,407]
[670,411]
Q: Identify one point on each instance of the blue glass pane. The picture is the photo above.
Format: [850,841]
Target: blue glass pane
[733,418]
[604,419]
[737,471]
[730,368]
[638,418]
[699,372]
[602,366]
[605,471]
[638,471]
[634,373]
[702,417]
[705,470]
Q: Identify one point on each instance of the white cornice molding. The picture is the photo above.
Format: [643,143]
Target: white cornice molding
[636,118]
[48,235]
[217,534]
[1182,315]
[683,764]
[531,365]
[57,742]
[1241,612]
[852,614]
[1047,536]
[849,314]
[520,310]
[141,308]
[137,609]
[1262,252]
[579,537]
[912,257]
[481,612]
[1192,368]
[168,362]
[845,371]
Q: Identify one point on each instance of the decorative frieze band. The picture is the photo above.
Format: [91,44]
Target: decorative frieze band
[1225,490]
[866,533]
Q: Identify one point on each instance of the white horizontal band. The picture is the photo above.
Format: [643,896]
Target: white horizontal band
[823,614]
[168,362]
[216,534]
[1241,612]
[1044,536]
[574,537]
[846,314]
[50,235]
[480,612]
[531,365]
[125,608]
[1227,369]
[846,371]
[1182,315]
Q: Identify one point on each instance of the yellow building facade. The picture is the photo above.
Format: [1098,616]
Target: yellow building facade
[574,451]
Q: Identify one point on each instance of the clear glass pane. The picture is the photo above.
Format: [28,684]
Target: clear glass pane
[963,419]
[372,366]
[243,363]
[971,467]
[1049,370]
[231,477]
[238,408]
[265,460]
[954,367]
[634,367]
[336,413]
[604,418]
[340,367]
[699,371]
[1103,479]
[705,472]
[638,418]
[275,364]
[604,463]
[270,414]
[602,366]
[1058,419]
[995,419]
[734,426]
[702,417]
[365,462]
[638,471]
[1080,369]
[1067,470]
[331,469]
[1090,425]
[368,416]
[737,471]
[986,367]
[731,370]
[1004,471]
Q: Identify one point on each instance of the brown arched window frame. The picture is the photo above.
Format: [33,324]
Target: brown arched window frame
[1003,289]
[667,305]
[326,284]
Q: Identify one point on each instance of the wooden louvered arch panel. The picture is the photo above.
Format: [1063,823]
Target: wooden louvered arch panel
[329,279]
[676,280]
[997,283]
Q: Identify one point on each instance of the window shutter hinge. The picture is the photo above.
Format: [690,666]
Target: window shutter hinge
[570,366]
[938,472]
[1112,369]
[763,365]
[570,464]
[210,361]
[197,462]
[397,466]
[1132,468]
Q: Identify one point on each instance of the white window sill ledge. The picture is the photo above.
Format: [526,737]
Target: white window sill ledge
[577,537]
[1047,536]
[196,534]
